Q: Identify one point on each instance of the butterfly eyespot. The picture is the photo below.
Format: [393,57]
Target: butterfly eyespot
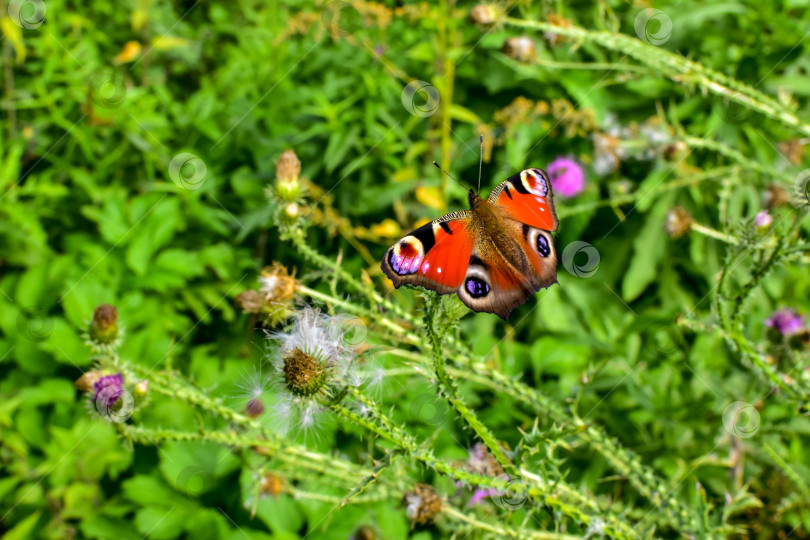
[477,288]
[534,181]
[543,247]
[406,256]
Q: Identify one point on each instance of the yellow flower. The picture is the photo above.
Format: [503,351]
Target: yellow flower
[131,51]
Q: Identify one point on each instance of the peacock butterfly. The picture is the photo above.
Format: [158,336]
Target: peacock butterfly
[493,256]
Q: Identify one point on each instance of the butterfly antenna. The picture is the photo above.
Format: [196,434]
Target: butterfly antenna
[480,164]
[450,175]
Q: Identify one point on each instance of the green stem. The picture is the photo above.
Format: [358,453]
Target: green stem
[448,387]
[678,68]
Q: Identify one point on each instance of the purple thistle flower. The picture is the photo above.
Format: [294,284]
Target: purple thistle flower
[786,321]
[567,177]
[481,494]
[109,388]
[763,219]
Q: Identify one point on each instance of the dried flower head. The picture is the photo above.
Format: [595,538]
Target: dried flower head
[270,484]
[481,461]
[793,150]
[606,158]
[277,284]
[520,49]
[774,196]
[273,301]
[103,334]
[675,150]
[553,38]
[364,532]
[678,222]
[422,504]
[567,177]
[250,301]
[485,15]
[312,362]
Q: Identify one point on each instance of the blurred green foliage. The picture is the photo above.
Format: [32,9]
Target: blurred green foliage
[653,348]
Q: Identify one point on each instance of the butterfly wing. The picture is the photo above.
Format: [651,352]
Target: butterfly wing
[495,283]
[527,197]
[434,256]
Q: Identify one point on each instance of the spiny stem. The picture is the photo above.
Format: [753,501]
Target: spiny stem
[447,385]
[502,531]
[678,68]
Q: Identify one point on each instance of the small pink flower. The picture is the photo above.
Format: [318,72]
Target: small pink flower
[481,494]
[786,321]
[763,219]
[567,177]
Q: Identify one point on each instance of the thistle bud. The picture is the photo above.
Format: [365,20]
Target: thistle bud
[254,408]
[291,211]
[104,329]
[103,333]
[140,391]
[87,380]
[288,168]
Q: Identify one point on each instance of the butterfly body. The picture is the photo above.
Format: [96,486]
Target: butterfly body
[494,256]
